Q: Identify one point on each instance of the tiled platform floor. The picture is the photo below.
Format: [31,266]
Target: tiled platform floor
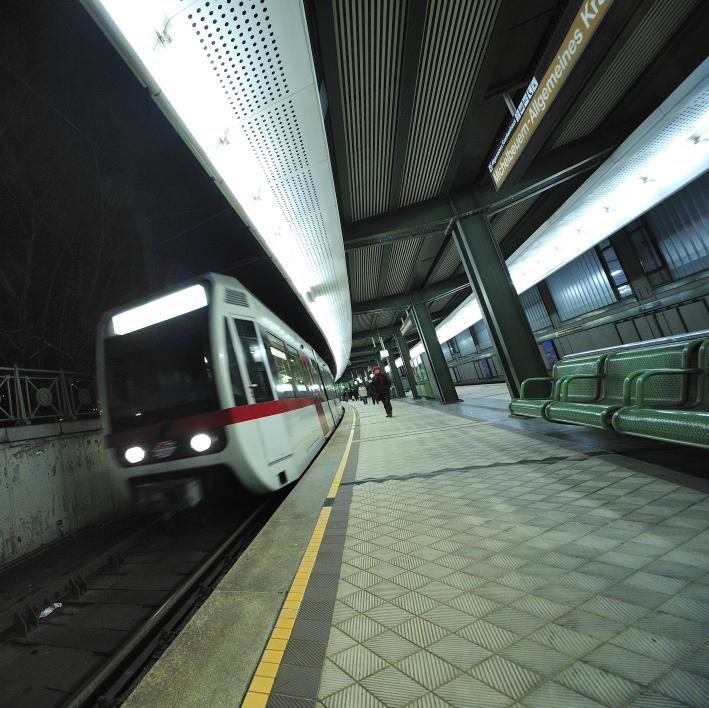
[487,567]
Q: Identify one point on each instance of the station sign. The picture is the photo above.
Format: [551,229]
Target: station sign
[540,93]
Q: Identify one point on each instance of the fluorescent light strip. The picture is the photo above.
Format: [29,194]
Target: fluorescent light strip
[160,310]
[667,152]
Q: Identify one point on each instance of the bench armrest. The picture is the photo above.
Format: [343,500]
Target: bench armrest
[564,382]
[642,376]
[539,378]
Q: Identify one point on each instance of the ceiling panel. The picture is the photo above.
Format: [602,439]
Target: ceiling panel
[370,39]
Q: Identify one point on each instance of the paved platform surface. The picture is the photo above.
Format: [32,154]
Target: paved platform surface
[462,558]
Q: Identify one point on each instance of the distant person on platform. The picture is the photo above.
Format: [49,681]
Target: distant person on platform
[372,392]
[363,393]
[382,384]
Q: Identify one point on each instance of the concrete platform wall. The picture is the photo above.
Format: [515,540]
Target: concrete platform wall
[52,486]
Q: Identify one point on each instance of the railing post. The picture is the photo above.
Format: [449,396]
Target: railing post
[68,408]
[20,398]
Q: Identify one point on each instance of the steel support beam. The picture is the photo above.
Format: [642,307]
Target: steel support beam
[442,373]
[405,355]
[512,337]
[396,379]
[434,215]
[394,302]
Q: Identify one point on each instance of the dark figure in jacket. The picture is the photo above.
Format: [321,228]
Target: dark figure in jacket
[382,384]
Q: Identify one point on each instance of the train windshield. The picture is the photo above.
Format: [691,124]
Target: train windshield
[161,372]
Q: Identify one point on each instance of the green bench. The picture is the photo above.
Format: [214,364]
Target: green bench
[620,370]
[688,425]
[581,390]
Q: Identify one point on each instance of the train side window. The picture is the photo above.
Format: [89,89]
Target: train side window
[280,369]
[237,382]
[296,367]
[255,360]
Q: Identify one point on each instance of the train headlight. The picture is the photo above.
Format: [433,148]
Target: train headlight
[135,455]
[201,442]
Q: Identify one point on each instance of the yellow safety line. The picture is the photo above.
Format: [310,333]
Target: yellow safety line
[338,475]
[262,682]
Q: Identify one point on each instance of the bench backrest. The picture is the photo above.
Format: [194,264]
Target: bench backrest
[581,390]
[660,391]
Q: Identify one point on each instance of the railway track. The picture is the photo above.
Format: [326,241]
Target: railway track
[117,611]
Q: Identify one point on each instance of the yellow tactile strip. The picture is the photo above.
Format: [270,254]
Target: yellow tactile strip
[262,682]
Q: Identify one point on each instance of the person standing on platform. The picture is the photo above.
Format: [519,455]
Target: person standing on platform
[382,384]
[372,392]
[363,393]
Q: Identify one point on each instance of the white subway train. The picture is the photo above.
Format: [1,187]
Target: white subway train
[205,382]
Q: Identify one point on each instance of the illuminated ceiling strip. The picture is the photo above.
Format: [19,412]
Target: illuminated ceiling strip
[237,82]
[664,154]
[160,310]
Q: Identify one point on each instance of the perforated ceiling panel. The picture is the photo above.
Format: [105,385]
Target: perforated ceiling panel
[236,79]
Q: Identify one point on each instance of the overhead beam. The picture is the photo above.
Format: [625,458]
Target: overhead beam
[434,215]
[413,40]
[379,332]
[445,287]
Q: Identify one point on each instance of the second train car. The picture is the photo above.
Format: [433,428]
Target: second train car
[204,382]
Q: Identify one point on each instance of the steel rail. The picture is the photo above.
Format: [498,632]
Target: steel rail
[92,687]
[63,588]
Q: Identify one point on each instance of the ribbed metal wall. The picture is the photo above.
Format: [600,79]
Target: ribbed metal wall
[466,345]
[656,28]
[580,287]
[680,225]
[482,335]
[456,36]
[537,314]
[370,39]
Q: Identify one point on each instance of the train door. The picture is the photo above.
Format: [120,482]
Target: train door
[316,391]
[274,433]
[327,389]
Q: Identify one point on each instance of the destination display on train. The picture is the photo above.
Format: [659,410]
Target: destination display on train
[540,93]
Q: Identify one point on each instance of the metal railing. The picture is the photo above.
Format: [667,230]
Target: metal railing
[30,396]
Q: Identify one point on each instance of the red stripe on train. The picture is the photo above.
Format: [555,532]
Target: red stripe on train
[205,421]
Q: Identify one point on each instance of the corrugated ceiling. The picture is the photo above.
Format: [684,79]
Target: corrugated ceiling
[370,39]
[456,36]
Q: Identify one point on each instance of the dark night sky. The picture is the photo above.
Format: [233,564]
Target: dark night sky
[74,92]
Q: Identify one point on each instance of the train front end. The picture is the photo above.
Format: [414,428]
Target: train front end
[160,399]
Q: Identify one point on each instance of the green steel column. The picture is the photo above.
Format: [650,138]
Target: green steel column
[424,324]
[396,379]
[512,337]
[406,358]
